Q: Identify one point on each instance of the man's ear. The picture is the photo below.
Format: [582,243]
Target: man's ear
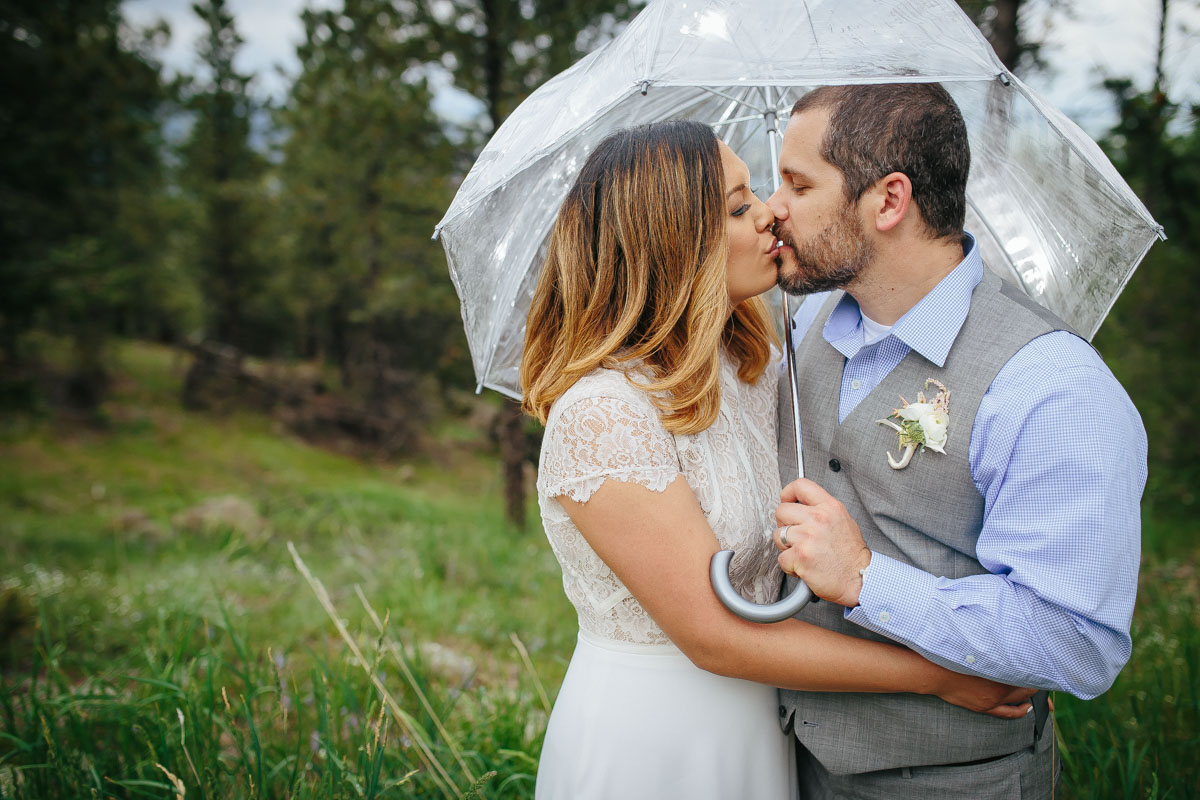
[893,198]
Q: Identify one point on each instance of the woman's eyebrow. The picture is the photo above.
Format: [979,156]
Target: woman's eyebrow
[741,187]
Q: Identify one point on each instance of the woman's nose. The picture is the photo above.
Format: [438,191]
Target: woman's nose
[763,217]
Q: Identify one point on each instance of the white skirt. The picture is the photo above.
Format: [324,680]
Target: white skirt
[641,721]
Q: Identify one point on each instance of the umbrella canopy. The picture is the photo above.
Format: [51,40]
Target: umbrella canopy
[1048,209]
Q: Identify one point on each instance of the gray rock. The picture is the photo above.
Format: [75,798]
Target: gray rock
[135,524]
[224,512]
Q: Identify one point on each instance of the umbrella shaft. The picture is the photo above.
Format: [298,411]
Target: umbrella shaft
[793,381]
[773,136]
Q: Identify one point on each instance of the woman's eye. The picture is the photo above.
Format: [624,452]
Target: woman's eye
[742,210]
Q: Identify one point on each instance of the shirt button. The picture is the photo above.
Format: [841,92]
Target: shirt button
[856,384]
[970,659]
[835,465]
[884,616]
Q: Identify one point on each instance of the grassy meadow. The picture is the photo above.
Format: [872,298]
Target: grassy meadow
[160,637]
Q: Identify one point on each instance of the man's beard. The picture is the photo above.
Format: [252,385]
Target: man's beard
[829,260]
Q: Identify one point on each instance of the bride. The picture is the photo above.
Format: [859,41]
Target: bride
[645,350]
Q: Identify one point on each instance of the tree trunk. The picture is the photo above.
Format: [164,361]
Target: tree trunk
[88,380]
[1162,43]
[1005,35]
[493,61]
[512,454]
[339,340]
[511,429]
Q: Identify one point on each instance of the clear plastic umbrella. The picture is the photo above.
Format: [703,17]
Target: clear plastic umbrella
[1048,209]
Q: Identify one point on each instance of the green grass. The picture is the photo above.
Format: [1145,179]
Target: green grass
[139,621]
[133,647]
[1140,740]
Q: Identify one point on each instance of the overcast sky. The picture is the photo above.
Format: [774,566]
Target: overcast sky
[1111,38]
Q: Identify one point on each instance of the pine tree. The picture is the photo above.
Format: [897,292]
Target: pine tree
[365,176]
[80,168]
[222,175]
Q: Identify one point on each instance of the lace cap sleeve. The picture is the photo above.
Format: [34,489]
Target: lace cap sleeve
[595,439]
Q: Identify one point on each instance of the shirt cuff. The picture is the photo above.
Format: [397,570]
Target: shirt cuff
[887,581]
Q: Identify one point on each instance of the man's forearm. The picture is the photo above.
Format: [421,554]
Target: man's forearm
[988,625]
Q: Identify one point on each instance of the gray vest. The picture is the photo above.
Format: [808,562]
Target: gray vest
[928,515]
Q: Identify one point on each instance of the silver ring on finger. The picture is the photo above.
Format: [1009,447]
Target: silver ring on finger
[783,536]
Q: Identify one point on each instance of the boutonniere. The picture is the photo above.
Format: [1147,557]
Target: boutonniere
[922,424]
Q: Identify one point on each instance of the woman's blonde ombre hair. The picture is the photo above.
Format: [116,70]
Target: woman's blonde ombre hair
[636,276]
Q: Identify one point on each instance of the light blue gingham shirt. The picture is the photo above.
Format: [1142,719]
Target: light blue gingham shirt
[1058,453]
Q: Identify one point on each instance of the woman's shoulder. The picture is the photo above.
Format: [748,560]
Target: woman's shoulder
[616,390]
[604,426]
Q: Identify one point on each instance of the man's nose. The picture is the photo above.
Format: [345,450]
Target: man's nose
[777,205]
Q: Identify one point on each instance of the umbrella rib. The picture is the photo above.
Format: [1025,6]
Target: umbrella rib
[737,100]
[726,114]
[995,236]
[735,120]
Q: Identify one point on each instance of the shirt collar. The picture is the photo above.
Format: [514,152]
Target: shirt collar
[930,327]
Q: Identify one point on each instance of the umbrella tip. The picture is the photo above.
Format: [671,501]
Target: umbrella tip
[437,232]
[645,87]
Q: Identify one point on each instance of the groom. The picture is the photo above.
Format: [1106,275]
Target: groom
[1011,548]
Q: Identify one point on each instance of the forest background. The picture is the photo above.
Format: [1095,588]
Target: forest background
[257,536]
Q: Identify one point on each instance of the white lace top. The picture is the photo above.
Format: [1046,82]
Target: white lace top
[604,428]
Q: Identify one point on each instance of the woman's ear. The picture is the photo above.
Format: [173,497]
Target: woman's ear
[893,196]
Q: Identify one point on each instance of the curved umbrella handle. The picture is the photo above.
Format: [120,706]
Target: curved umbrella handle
[718,573]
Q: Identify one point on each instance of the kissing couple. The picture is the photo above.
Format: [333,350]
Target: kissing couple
[996,558]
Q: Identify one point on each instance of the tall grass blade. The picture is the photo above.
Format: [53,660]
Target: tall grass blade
[180,790]
[402,662]
[412,728]
[528,662]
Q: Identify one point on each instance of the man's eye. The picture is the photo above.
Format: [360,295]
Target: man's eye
[742,210]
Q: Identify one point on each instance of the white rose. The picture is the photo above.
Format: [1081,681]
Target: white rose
[914,411]
[935,425]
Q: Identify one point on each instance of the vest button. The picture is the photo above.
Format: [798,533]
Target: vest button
[782,712]
[835,465]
